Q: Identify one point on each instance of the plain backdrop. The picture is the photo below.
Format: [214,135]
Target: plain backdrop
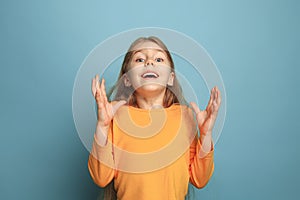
[255,45]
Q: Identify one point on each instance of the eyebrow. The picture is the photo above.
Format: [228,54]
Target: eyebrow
[149,48]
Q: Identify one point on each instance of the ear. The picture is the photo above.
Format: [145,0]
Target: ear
[171,79]
[126,81]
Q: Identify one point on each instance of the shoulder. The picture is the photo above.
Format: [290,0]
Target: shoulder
[187,114]
[189,119]
[187,111]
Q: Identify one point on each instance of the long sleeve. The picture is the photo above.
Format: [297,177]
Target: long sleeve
[101,162]
[201,169]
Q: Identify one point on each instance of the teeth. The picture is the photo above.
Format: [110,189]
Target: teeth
[150,75]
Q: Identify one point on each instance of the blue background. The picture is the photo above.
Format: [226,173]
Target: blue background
[255,45]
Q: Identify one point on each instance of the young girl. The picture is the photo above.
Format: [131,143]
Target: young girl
[146,144]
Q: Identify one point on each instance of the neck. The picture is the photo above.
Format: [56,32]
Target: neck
[150,101]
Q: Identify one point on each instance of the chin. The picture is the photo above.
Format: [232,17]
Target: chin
[151,88]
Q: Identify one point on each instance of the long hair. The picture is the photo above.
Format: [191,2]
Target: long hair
[173,94]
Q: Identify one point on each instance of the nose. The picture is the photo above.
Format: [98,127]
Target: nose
[149,62]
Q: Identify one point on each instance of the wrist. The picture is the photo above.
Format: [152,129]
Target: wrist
[101,139]
[207,133]
[101,134]
[102,125]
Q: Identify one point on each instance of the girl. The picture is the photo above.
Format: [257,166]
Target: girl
[146,144]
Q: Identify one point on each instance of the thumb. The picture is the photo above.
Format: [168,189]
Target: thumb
[195,107]
[117,106]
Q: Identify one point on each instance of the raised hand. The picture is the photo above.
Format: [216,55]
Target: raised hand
[106,109]
[206,118]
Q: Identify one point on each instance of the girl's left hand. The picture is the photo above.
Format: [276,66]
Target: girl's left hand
[206,118]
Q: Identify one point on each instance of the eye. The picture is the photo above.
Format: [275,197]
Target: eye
[139,60]
[159,60]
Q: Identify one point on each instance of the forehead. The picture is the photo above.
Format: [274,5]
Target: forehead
[147,45]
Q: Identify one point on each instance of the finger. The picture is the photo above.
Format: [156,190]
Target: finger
[215,93]
[210,102]
[97,82]
[215,104]
[98,91]
[93,87]
[195,107]
[210,99]
[107,106]
[98,97]
[219,97]
[101,93]
[217,100]
[117,106]
[103,90]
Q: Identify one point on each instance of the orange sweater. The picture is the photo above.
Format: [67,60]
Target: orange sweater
[151,154]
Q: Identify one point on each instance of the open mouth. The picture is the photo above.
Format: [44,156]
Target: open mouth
[150,75]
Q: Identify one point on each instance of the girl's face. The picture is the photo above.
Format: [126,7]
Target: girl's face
[149,68]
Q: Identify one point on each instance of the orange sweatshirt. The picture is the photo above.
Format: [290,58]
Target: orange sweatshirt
[151,154]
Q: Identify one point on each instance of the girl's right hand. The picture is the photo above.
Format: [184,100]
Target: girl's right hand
[106,110]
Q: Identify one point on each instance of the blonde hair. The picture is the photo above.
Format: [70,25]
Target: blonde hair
[173,94]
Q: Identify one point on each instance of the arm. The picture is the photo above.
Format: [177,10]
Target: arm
[201,168]
[201,150]
[206,120]
[101,161]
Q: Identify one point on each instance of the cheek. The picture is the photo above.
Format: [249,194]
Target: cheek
[165,71]
[134,71]
[133,75]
